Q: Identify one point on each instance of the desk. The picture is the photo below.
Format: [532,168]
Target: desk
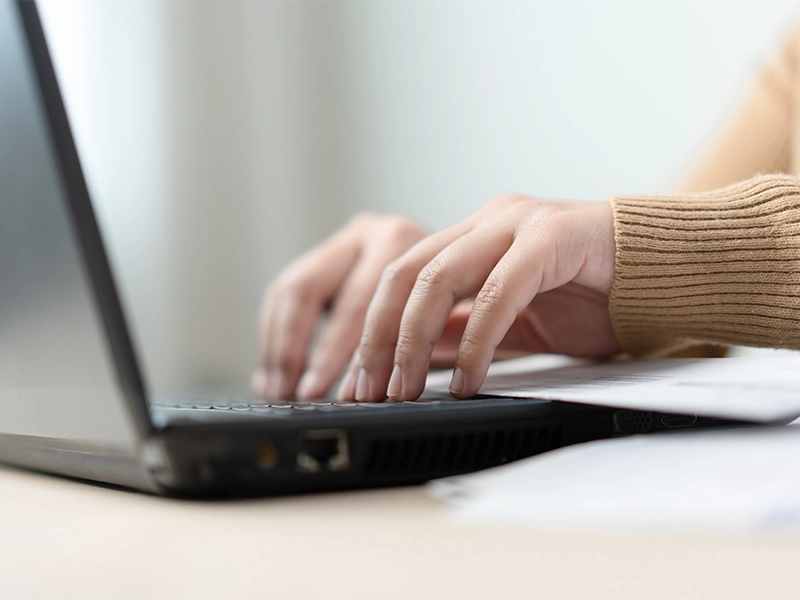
[64,539]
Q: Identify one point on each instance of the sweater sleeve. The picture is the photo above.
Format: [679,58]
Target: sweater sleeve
[720,266]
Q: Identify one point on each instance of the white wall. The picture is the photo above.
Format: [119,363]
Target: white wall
[222,138]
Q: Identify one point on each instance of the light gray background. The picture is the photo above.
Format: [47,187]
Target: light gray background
[220,139]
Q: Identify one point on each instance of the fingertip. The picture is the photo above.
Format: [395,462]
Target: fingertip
[395,387]
[461,387]
[347,389]
[362,386]
[258,382]
[311,386]
[285,385]
[457,382]
[274,383]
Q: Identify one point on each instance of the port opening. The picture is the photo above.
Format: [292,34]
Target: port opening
[267,456]
[627,422]
[672,421]
[322,450]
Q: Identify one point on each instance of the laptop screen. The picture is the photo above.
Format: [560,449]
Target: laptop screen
[58,376]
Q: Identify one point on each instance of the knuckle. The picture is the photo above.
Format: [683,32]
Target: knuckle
[294,285]
[372,337]
[396,271]
[522,211]
[363,218]
[536,216]
[489,297]
[469,346]
[404,341]
[370,346]
[471,350]
[491,292]
[432,274]
[401,228]
[367,344]
[546,218]
[408,347]
[507,199]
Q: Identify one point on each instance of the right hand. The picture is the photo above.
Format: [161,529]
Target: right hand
[340,275]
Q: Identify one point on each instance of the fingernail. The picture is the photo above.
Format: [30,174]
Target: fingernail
[395,383]
[347,389]
[362,387]
[307,388]
[457,382]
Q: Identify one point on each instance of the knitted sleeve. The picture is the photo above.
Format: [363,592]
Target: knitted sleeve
[720,266]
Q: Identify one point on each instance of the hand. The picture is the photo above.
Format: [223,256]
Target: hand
[540,273]
[341,275]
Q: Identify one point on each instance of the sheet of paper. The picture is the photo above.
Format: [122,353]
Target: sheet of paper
[722,481]
[758,389]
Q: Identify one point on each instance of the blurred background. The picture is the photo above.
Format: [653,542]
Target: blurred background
[220,139]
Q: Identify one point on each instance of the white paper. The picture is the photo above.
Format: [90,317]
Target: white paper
[724,481]
[756,389]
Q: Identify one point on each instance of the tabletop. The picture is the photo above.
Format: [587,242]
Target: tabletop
[68,539]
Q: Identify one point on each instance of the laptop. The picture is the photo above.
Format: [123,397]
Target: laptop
[73,402]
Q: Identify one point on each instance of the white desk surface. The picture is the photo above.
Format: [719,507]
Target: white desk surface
[63,539]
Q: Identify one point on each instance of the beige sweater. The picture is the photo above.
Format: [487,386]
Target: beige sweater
[721,262]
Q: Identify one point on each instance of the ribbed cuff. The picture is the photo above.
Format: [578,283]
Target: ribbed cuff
[721,267]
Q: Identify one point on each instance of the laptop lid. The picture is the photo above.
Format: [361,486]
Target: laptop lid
[67,366]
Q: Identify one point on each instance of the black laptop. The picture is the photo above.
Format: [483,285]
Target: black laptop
[72,400]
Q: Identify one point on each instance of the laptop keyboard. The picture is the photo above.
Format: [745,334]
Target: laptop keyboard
[221,404]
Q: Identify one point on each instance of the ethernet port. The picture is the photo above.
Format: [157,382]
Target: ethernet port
[322,450]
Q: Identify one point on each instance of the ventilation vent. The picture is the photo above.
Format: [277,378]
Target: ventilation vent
[632,421]
[457,452]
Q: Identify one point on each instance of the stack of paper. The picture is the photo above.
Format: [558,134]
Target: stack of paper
[727,480]
[730,481]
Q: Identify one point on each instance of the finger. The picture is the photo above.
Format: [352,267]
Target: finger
[524,337]
[293,303]
[446,347]
[508,289]
[382,320]
[455,273]
[348,313]
[334,349]
[267,332]
[258,382]
[297,318]
[347,388]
